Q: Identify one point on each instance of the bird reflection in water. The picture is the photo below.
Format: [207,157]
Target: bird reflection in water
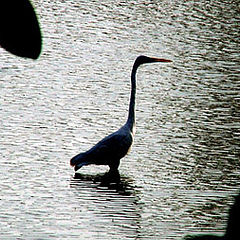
[107,205]
[111,180]
[232,231]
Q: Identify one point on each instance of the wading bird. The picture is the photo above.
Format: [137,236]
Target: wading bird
[112,148]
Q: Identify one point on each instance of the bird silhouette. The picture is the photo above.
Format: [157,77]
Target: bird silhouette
[115,146]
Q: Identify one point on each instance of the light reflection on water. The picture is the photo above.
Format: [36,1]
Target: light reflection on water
[113,210]
[183,170]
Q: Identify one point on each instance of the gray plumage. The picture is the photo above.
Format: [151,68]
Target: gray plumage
[115,146]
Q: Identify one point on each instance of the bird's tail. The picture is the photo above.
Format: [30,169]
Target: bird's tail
[78,161]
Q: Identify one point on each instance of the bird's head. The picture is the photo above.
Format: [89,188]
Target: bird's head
[144,59]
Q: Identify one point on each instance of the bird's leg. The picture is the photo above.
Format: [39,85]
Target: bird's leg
[114,166]
[110,177]
[113,174]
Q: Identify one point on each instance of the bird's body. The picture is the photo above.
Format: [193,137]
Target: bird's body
[115,146]
[108,151]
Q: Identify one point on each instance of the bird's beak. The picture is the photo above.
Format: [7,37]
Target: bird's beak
[160,60]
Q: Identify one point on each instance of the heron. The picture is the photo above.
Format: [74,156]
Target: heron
[115,146]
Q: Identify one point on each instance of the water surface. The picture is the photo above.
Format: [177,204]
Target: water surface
[183,170]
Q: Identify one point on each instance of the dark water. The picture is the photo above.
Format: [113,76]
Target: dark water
[183,170]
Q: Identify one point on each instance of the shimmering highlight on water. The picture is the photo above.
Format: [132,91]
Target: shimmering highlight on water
[183,170]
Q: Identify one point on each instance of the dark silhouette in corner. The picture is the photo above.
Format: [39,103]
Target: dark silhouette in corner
[20,32]
[233,226]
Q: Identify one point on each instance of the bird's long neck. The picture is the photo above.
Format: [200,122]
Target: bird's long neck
[131,112]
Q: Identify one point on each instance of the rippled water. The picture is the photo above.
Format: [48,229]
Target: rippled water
[183,170]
